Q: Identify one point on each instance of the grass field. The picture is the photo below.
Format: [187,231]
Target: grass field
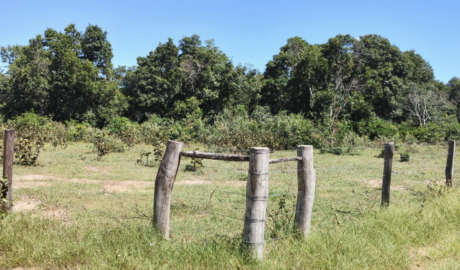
[74,212]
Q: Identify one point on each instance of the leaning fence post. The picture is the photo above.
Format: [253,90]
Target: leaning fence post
[163,186]
[387,166]
[306,179]
[256,201]
[450,164]
[8,155]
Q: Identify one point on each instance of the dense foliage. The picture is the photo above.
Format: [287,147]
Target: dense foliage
[343,92]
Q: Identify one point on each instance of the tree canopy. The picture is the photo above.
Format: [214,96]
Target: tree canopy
[70,75]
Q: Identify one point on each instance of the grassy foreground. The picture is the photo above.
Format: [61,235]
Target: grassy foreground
[75,212]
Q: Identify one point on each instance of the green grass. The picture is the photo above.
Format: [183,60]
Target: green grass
[85,214]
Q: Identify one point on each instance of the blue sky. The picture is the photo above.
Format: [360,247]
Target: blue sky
[247,31]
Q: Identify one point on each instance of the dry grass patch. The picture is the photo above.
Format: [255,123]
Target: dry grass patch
[418,257]
[193,182]
[23,204]
[97,169]
[127,186]
[377,183]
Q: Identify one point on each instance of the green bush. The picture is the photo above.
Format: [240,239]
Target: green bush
[29,140]
[104,143]
[31,118]
[233,130]
[120,124]
[78,131]
[124,129]
[376,127]
[431,133]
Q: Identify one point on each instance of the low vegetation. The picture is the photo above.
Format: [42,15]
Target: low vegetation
[103,210]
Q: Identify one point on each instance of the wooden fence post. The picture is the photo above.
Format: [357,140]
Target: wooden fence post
[387,166]
[450,164]
[306,179]
[8,156]
[164,184]
[256,201]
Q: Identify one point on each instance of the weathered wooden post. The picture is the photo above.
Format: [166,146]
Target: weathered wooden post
[256,201]
[306,179]
[450,164]
[387,166]
[8,156]
[163,186]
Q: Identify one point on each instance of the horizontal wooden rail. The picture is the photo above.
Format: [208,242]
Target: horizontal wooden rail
[231,157]
[279,160]
[214,156]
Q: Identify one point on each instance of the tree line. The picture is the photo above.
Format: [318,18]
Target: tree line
[362,85]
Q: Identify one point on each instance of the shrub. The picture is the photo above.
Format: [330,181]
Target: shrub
[104,143]
[431,133]
[376,127]
[404,157]
[31,118]
[233,130]
[28,143]
[3,196]
[78,131]
[124,129]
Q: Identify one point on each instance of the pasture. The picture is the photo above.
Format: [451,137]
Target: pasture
[74,212]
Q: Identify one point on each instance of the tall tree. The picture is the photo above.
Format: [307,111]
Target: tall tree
[97,49]
[454,93]
[54,76]
[173,74]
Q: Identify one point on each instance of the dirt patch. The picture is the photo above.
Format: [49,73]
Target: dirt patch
[115,186]
[374,183]
[126,186]
[57,213]
[97,169]
[378,183]
[417,257]
[32,180]
[193,182]
[33,177]
[31,184]
[109,185]
[26,205]
[28,268]
[236,183]
[83,181]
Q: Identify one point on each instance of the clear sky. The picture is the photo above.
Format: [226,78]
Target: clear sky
[249,32]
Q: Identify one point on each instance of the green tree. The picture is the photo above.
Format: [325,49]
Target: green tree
[97,49]
[54,76]
[282,89]
[454,94]
[29,76]
[173,74]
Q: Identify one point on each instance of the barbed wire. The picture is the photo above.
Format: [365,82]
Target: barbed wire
[282,194]
[335,206]
[222,215]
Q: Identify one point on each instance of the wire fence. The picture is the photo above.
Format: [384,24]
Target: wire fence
[209,199]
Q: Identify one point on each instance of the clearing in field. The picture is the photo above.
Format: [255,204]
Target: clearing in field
[75,212]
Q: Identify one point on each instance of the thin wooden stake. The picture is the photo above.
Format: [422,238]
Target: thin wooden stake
[387,166]
[450,164]
[8,156]
[163,186]
[256,201]
[306,179]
